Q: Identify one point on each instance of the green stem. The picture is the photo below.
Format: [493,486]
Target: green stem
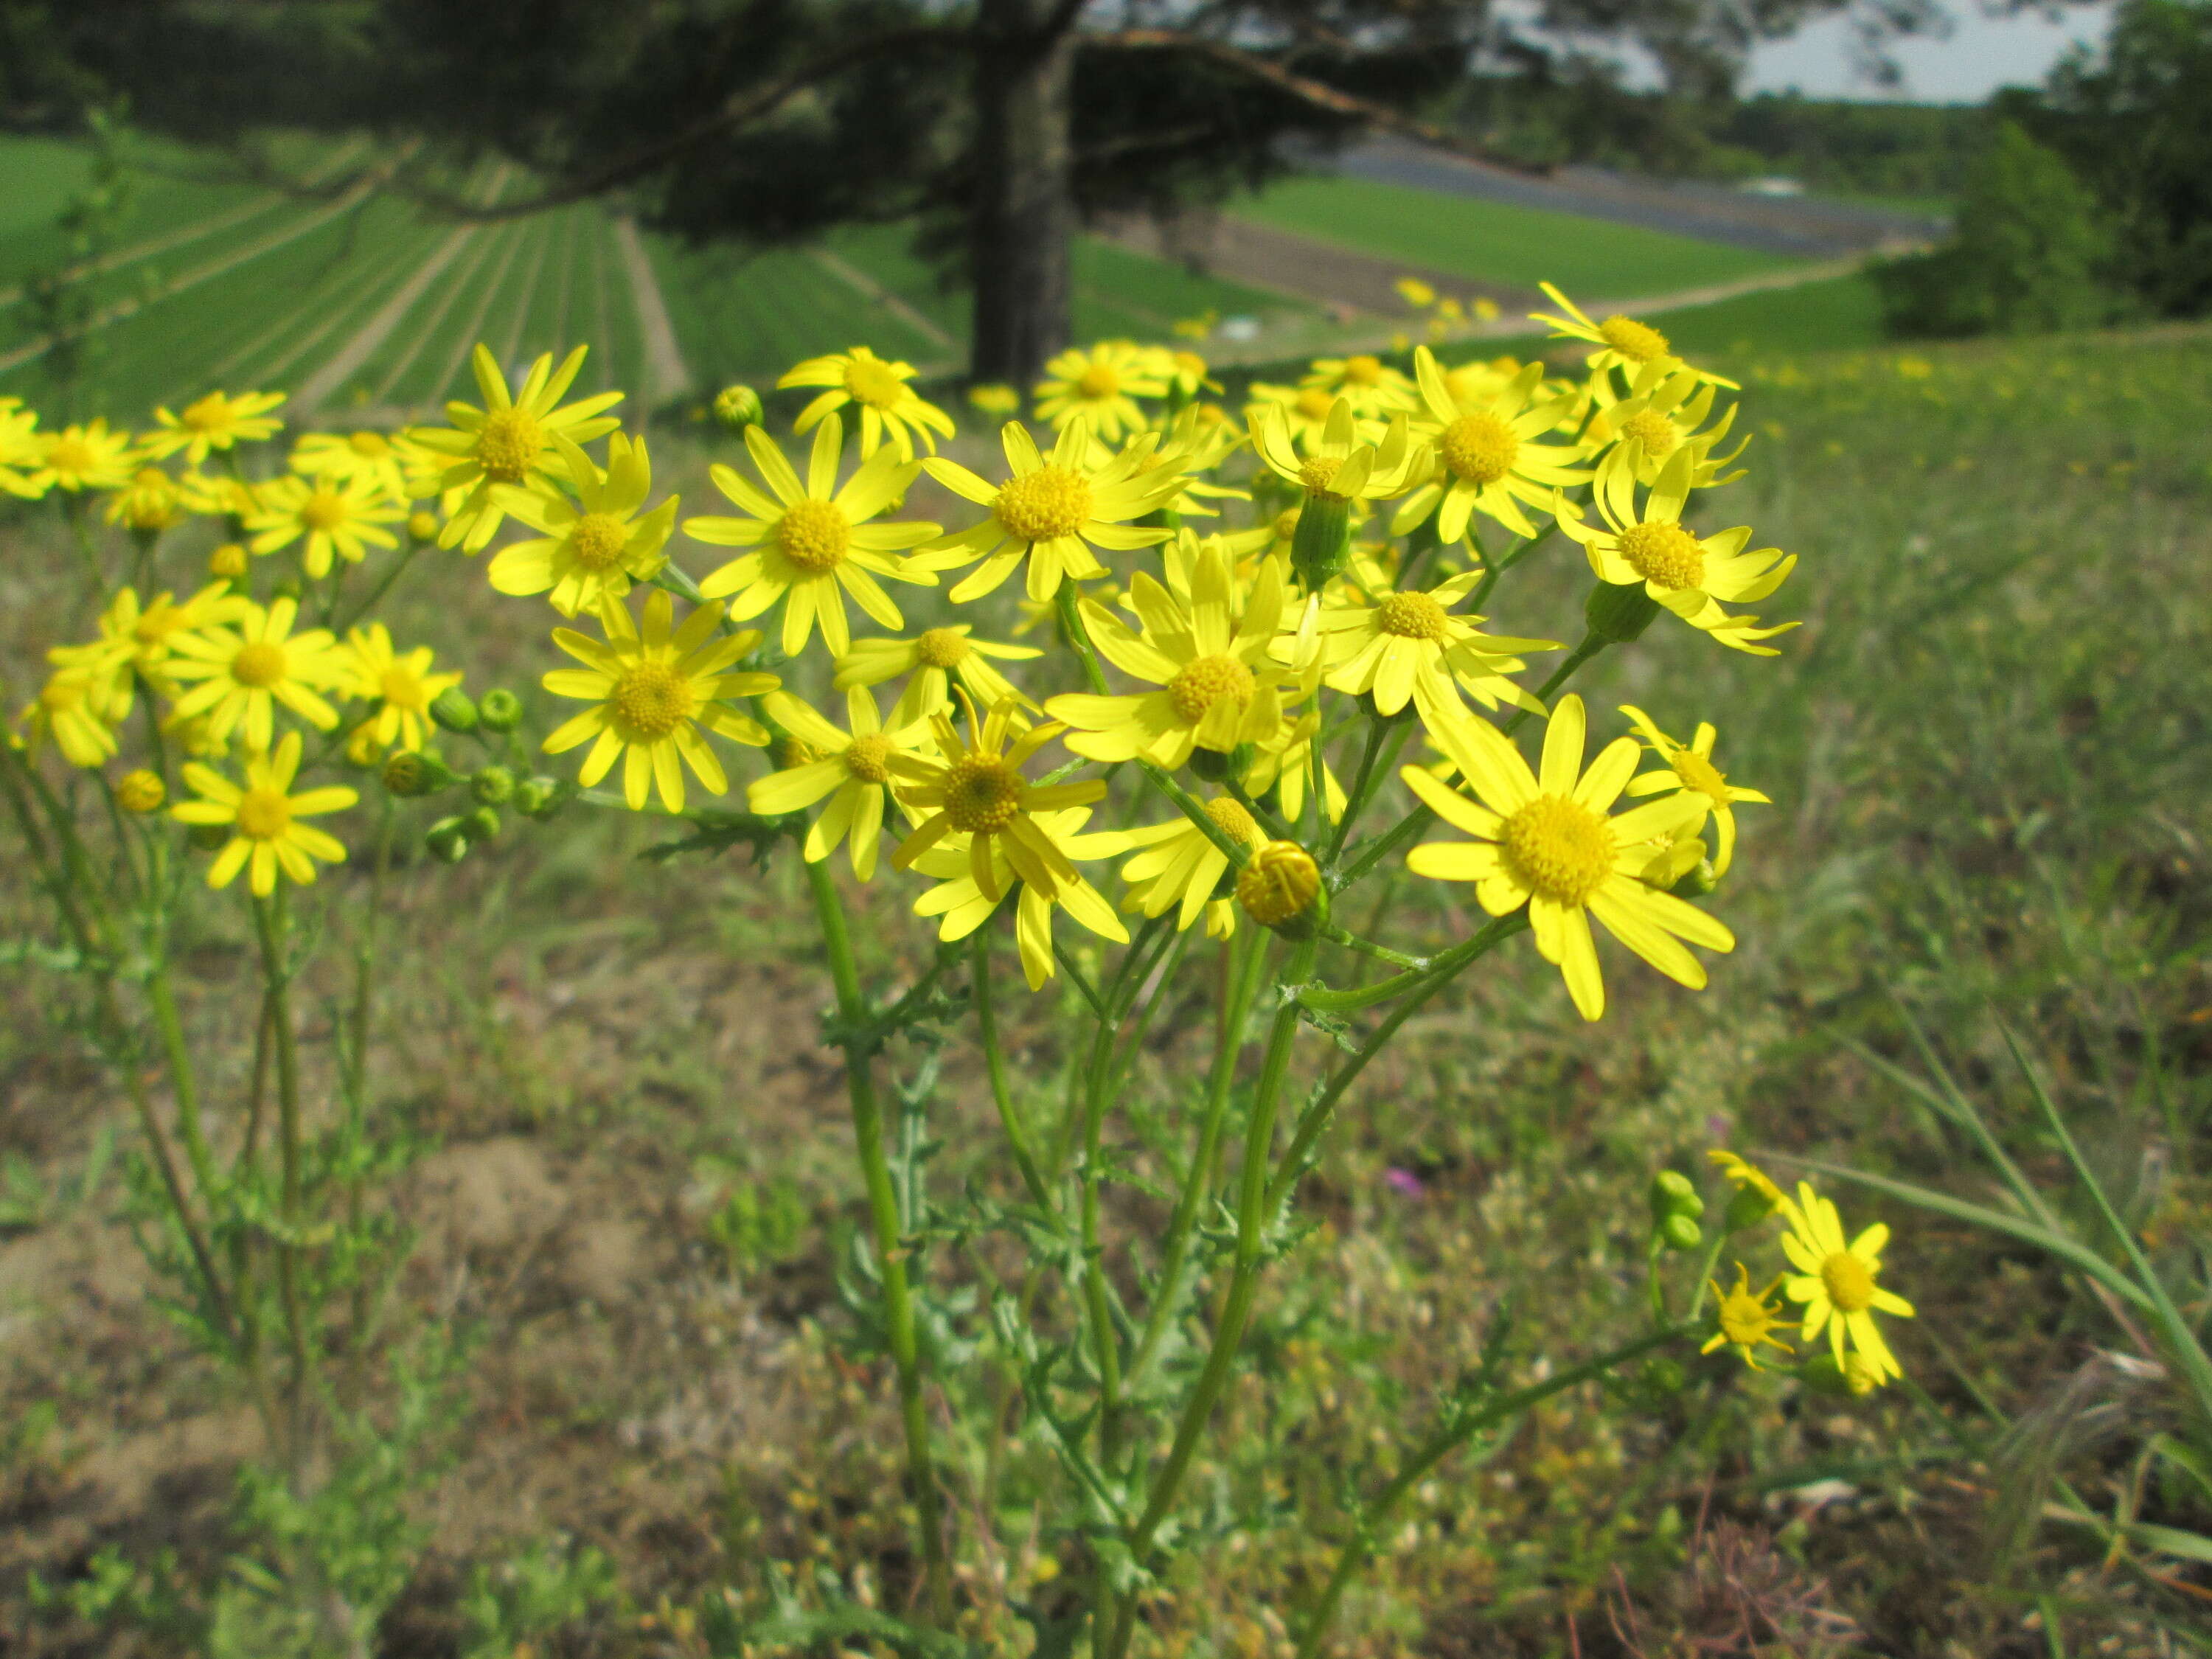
[1362,782]
[1590,645]
[890,1253]
[994,1060]
[392,574]
[271,920]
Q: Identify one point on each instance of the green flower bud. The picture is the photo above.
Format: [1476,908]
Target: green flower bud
[481,824]
[1620,612]
[1661,1379]
[412,774]
[1672,1193]
[534,797]
[452,709]
[1854,1379]
[1746,1208]
[1323,540]
[1680,1232]
[738,407]
[1281,888]
[1697,882]
[447,840]
[498,709]
[494,786]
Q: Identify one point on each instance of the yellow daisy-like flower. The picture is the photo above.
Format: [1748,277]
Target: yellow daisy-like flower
[84,455]
[594,547]
[994,397]
[1051,512]
[263,818]
[1342,467]
[1218,685]
[1100,386]
[246,670]
[509,441]
[1690,767]
[150,505]
[1622,342]
[137,640]
[1745,1318]
[815,542]
[1662,414]
[934,657]
[1292,761]
[1188,373]
[653,689]
[1374,389]
[74,711]
[20,449]
[1749,1178]
[339,517]
[212,422]
[1402,646]
[891,411]
[376,456]
[853,769]
[1545,840]
[218,495]
[979,792]
[1305,412]
[1181,868]
[1836,1282]
[966,899]
[403,686]
[1192,447]
[1488,452]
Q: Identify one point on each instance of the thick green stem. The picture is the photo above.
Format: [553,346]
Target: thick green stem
[890,1253]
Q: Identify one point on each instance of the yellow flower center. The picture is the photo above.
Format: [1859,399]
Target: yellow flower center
[1319,472]
[1654,431]
[324,509]
[1278,883]
[941,647]
[869,758]
[259,664]
[983,793]
[596,541]
[1099,381]
[369,445]
[1411,617]
[814,535]
[71,455]
[1849,1282]
[1699,774]
[1314,404]
[652,699]
[1363,371]
[1638,342]
[264,815]
[1560,847]
[1744,1319]
[509,445]
[404,689]
[872,383]
[1200,683]
[1229,816]
[1481,448]
[1665,554]
[1041,505]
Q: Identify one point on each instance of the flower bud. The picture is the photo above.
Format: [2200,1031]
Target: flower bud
[228,563]
[1323,540]
[447,840]
[1746,1208]
[362,747]
[1854,1379]
[738,407]
[481,824]
[1672,1193]
[1281,888]
[1661,1379]
[500,710]
[1680,1232]
[422,526]
[541,797]
[452,709]
[141,792]
[1618,612]
[493,785]
[409,775]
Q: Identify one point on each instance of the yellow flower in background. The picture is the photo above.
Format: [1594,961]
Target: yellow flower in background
[1836,1281]
[340,518]
[1219,686]
[1305,412]
[1178,866]
[375,456]
[994,397]
[263,818]
[218,495]
[1187,373]
[212,422]
[1622,342]
[965,898]
[150,505]
[20,449]
[84,455]
[1341,466]
[1545,840]
[403,686]
[1192,446]
[244,670]
[1374,389]
[654,688]
[138,640]
[1101,385]
[934,657]
[1489,455]
[1051,512]
[815,542]
[1745,1318]
[1690,768]
[73,711]
[891,411]
[1415,293]
[1408,646]
[139,792]
[1684,573]
[1196,327]
[508,441]
[591,547]
[853,770]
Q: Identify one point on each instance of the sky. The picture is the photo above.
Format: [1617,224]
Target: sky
[1981,54]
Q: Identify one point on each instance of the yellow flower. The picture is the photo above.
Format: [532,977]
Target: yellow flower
[404,686]
[816,544]
[1192,446]
[853,769]
[509,441]
[1546,842]
[934,656]
[214,422]
[1663,412]
[1749,1178]
[139,792]
[1372,387]
[891,410]
[1408,646]
[1836,1282]
[1745,1318]
[1623,343]
[20,449]
[1305,412]
[84,456]
[1291,762]
[1690,767]
[1186,371]
[1179,865]
[247,670]
[150,505]
[1686,574]
[1342,467]
[1101,385]
[652,689]
[375,456]
[1050,512]
[594,547]
[967,901]
[994,397]
[265,819]
[73,710]
[218,496]
[1218,684]
[138,641]
[343,517]
[1415,293]
[1489,458]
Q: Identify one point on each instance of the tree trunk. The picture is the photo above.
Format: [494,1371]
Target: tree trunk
[1023,213]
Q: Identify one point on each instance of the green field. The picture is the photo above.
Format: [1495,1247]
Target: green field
[1498,241]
